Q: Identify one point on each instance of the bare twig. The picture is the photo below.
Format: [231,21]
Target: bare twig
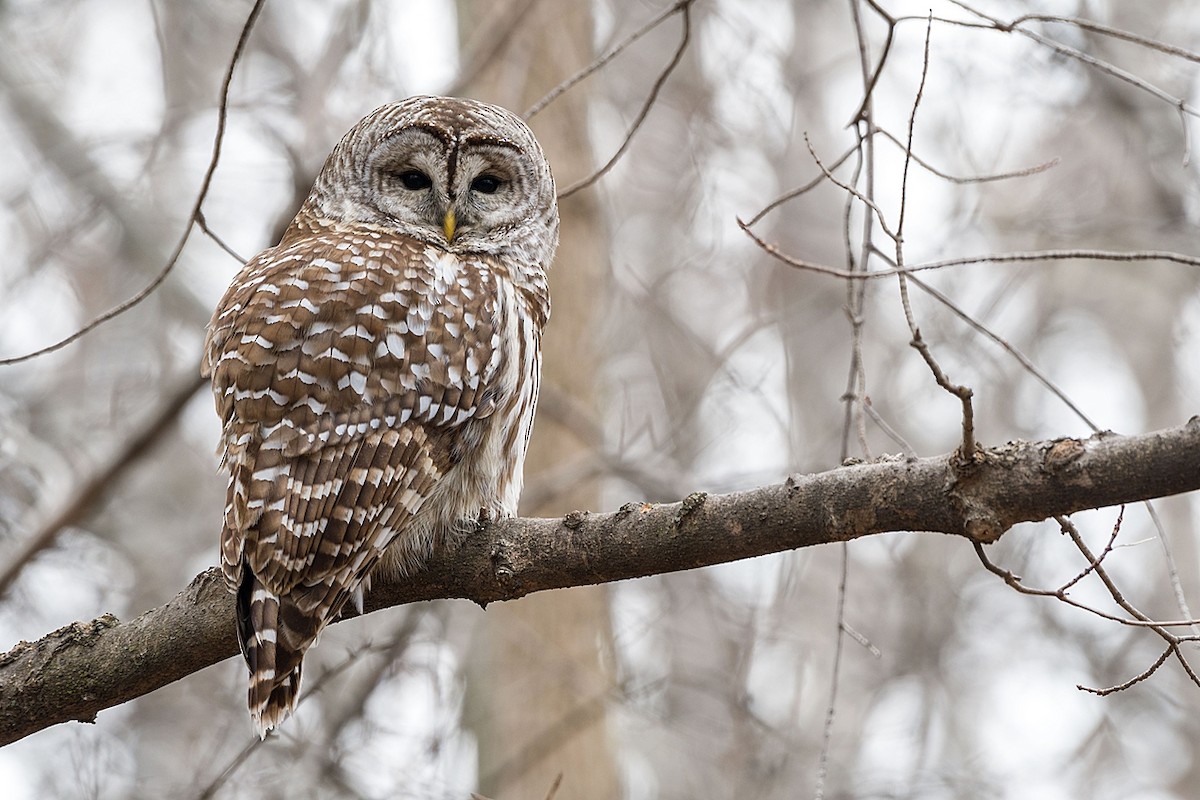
[202,223]
[1015,582]
[1172,569]
[908,148]
[1020,357]
[218,138]
[1115,33]
[1136,618]
[1136,679]
[1061,255]
[1094,563]
[962,180]
[836,673]
[868,202]
[887,429]
[986,178]
[804,189]
[1173,640]
[855,394]
[684,7]
[993,258]
[609,55]
[968,446]
[1184,109]
[883,56]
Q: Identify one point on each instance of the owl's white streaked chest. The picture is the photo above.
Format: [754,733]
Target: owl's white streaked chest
[486,473]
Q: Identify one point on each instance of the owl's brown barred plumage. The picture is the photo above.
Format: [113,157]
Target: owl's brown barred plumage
[376,371]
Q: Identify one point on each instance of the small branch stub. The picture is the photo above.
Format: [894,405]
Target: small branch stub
[1062,453]
[574,520]
[689,506]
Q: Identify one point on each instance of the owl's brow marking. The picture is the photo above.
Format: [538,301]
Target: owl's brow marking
[448,140]
[491,141]
[478,139]
[438,133]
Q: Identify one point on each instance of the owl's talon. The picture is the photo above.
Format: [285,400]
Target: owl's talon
[485,518]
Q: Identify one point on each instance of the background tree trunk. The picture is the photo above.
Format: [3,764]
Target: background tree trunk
[540,676]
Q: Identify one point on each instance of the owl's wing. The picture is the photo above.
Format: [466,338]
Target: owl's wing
[347,376]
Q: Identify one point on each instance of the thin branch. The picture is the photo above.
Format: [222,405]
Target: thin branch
[1094,563]
[1069,528]
[211,234]
[1172,568]
[1084,58]
[1173,641]
[218,138]
[685,9]
[1136,679]
[961,180]
[1115,33]
[885,51]
[887,429]
[839,641]
[1014,581]
[804,189]
[908,148]
[855,394]
[985,178]
[1059,255]
[1095,567]
[994,258]
[964,394]
[868,202]
[598,64]
[1020,357]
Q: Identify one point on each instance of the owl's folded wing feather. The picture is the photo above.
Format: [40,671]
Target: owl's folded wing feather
[343,391]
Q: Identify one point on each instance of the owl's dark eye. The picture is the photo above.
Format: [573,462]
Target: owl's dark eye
[487,184]
[414,180]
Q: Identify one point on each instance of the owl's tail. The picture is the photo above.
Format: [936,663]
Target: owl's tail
[274,635]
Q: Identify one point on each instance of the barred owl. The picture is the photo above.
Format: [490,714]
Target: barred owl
[376,371]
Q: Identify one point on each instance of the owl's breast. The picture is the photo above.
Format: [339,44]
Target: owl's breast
[489,450]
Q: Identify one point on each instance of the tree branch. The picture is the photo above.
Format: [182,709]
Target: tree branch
[77,671]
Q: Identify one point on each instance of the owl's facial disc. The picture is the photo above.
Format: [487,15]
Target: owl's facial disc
[406,182]
[490,192]
[450,173]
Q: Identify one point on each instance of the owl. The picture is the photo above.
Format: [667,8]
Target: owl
[376,371]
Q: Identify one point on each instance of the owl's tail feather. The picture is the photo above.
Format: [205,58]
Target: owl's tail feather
[274,635]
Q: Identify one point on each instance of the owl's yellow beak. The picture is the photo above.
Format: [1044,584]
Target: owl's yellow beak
[448,225]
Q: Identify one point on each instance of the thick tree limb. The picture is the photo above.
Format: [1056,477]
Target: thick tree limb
[77,671]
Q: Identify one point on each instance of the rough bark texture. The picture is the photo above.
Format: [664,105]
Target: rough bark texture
[77,671]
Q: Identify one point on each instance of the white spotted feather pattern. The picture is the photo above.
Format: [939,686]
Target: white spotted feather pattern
[376,372]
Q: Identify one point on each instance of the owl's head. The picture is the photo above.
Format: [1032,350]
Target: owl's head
[454,173]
